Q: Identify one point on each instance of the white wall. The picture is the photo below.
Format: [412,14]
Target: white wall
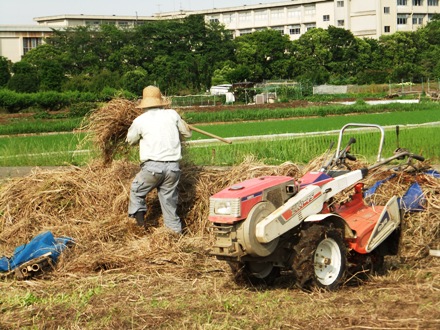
[11,48]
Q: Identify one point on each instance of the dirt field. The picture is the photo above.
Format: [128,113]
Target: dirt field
[119,276]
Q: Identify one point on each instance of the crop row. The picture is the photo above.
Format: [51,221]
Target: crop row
[65,149]
[231,114]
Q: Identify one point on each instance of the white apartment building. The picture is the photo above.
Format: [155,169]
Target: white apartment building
[16,40]
[364,18]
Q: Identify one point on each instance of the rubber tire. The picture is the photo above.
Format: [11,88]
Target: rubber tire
[308,273]
[245,273]
[366,265]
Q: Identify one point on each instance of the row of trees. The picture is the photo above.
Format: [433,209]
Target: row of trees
[188,56]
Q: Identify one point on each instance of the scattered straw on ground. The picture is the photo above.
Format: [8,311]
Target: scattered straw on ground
[90,203]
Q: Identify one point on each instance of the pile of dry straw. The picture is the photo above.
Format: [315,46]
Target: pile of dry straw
[89,204]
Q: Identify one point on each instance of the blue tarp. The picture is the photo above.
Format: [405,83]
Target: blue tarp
[372,190]
[414,199]
[37,247]
[434,173]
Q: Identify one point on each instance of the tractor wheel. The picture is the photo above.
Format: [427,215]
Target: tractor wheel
[320,258]
[364,265]
[254,273]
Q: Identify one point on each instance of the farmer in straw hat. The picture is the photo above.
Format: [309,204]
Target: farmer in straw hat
[158,132]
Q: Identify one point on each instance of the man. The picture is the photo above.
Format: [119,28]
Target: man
[158,132]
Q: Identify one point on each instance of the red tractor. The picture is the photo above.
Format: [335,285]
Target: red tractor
[270,224]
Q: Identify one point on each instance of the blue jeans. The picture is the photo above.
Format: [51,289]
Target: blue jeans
[164,176]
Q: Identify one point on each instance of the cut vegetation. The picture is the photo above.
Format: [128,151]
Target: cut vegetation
[118,276]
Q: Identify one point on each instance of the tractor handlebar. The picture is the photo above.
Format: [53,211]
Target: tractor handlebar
[400,155]
[418,157]
[343,153]
[350,157]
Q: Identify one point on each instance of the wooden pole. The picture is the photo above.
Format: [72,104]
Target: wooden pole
[209,134]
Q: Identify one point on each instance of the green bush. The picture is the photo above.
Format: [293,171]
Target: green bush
[47,115]
[108,93]
[135,81]
[77,96]
[14,102]
[5,73]
[51,100]
[81,109]
[24,83]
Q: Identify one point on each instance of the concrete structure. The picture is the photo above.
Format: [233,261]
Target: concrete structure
[364,18]
[15,41]
[330,89]
[220,89]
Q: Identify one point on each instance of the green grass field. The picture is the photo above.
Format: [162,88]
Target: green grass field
[71,148]
[318,124]
[303,149]
[62,149]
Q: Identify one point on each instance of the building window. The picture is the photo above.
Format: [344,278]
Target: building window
[417,2]
[229,18]
[387,29]
[417,19]
[260,15]
[245,31]
[279,29]
[277,13]
[326,18]
[340,22]
[310,26]
[31,43]
[93,23]
[432,2]
[402,2]
[386,10]
[294,12]
[246,16]
[213,19]
[310,10]
[340,4]
[401,19]
[295,29]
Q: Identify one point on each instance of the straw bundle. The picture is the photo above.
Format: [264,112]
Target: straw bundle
[108,127]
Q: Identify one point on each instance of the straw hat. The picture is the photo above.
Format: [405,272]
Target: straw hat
[152,98]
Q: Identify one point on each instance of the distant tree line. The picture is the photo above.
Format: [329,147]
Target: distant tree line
[189,56]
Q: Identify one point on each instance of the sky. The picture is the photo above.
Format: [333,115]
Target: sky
[23,12]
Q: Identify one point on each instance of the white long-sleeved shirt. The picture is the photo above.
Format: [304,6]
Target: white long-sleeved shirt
[157,131]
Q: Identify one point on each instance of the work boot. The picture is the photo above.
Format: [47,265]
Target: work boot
[140,218]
